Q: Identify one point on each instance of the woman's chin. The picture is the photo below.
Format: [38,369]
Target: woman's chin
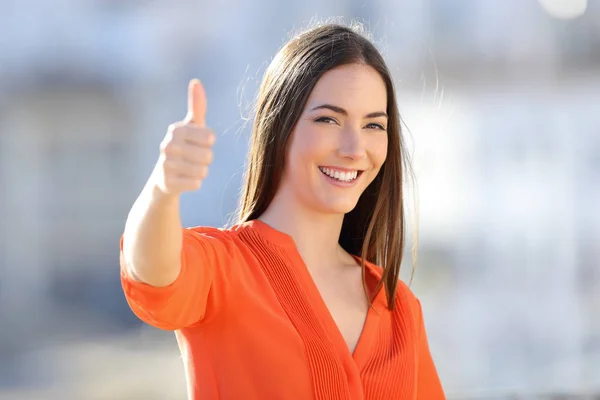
[339,207]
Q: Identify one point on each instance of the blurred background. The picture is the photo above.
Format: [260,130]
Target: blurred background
[502,104]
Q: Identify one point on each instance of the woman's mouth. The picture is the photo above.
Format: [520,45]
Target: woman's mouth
[341,176]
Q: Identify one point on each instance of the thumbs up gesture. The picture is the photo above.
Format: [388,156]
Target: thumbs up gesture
[186,150]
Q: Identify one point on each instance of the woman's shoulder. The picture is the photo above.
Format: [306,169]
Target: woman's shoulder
[225,233]
[209,231]
[403,289]
[377,271]
[208,235]
[405,296]
[240,235]
[213,240]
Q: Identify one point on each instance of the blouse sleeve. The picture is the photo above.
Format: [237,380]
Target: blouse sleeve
[199,290]
[429,386]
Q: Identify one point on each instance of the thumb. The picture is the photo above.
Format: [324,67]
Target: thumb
[196,103]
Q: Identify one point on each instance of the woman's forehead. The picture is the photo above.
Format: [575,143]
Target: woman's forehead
[350,85]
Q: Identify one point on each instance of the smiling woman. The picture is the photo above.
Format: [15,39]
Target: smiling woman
[301,298]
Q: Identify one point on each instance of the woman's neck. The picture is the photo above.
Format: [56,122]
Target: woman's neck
[316,235]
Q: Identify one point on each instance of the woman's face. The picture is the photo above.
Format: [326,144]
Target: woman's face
[340,141]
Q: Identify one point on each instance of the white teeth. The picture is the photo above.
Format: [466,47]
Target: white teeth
[341,176]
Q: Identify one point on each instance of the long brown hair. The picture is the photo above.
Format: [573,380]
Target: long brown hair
[375,228]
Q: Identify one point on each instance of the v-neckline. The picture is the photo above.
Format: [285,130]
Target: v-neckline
[362,349]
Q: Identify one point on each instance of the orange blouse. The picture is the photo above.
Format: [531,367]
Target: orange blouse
[252,325]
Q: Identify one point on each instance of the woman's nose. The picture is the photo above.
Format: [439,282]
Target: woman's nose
[352,144]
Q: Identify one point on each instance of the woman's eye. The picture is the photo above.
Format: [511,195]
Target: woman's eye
[326,120]
[376,126]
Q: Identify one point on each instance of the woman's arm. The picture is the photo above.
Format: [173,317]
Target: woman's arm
[171,275]
[153,239]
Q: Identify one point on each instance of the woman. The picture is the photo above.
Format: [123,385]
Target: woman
[290,303]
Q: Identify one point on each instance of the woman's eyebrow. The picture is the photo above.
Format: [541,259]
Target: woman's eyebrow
[340,110]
